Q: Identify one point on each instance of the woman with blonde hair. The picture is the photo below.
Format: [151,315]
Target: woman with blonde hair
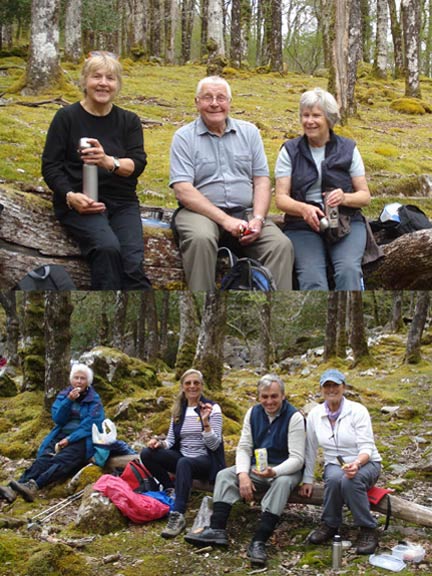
[108,228]
[193,447]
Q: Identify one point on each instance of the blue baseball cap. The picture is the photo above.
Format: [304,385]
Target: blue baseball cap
[332,375]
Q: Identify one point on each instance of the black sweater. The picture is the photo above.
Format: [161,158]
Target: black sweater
[120,134]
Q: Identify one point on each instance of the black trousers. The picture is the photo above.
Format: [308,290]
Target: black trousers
[112,243]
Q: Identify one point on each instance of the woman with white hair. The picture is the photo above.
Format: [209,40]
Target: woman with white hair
[108,229]
[69,446]
[192,449]
[317,174]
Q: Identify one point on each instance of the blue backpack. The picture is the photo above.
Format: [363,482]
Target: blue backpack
[245,274]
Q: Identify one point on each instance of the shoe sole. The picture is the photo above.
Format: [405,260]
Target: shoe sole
[256,561]
[201,543]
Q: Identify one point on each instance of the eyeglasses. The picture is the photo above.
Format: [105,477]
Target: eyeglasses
[103,53]
[209,98]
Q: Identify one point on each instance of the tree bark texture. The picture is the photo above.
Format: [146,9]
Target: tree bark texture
[32,342]
[396,322]
[413,353]
[341,336]
[215,28]
[380,58]
[338,80]
[235,49]
[43,67]
[354,54]
[119,323]
[396,32]
[8,302]
[357,334]
[72,32]
[58,310]
[331,326]
[276,40]
[411,34]
[188,336]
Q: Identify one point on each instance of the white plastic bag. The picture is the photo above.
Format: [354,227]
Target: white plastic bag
[108,434]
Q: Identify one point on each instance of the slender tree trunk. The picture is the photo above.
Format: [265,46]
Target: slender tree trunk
[366,29]
[331,326]
[215,32]
[8,302]
[43,66]
[259,35]
[325,18]
[140,328]
[411,35]
[188,336]
[354,54]
[396,321]
[357,336]
[428,40]
[163,332]
[396,31]
[209,353]
[341,336]
[32,343]
[72,36]
[187,24]
[153,351]
[170,30]
[413,346]
[119,323]
[265,352]
[204,27]
[338,78]
[235,50]
[380,58]
[58,310]
[276,63]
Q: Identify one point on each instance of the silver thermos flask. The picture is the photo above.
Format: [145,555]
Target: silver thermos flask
[336,552]
[90,174]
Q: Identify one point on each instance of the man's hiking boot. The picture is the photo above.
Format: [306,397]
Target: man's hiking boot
[367,540]
[7,493]
[257,553]
[208,537]
[176,524]
[322,534]
[27,490]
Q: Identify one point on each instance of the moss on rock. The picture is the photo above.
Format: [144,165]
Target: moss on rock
[57,560]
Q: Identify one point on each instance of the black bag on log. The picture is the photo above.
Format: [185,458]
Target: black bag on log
[411,219]
[48,277]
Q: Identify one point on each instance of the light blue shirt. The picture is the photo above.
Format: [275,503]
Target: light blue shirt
[221,168]
[284,168]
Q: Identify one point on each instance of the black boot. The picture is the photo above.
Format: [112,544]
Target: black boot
[367,540]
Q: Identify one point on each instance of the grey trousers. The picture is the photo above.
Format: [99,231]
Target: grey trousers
[277,490]
[340,490]
[199,237]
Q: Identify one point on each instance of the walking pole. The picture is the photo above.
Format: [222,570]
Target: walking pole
[52,510]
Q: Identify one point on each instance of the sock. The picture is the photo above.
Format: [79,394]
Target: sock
[265,527]
[219,518]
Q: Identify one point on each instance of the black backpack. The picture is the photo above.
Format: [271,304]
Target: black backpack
[411,219]
[48,277]
[246,274]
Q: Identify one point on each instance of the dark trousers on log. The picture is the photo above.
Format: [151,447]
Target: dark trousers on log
[162,461]
[50,467]
[112,243]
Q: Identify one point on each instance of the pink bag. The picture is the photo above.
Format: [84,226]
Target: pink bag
[137,507]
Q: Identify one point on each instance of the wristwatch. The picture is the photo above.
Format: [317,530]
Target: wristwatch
[116,164]
[259,217]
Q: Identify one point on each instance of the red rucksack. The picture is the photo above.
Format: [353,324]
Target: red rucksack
[140,478]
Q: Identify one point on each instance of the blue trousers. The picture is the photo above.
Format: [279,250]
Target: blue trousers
[340,490]
[311,254]
[161,461]
[50,467]
[112,243]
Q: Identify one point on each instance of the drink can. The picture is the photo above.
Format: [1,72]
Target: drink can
[261,462]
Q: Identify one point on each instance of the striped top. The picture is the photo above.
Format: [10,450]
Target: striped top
[193,440]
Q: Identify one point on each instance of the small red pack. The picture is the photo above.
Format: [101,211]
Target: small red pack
[140,478]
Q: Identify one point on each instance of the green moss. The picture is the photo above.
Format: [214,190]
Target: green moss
[57,560]
[410,106]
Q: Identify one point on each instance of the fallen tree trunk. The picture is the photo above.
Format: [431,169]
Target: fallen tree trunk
[30,236]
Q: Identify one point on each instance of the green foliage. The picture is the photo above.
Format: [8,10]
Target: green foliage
[410,106]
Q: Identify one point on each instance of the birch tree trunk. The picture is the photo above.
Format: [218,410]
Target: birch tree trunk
[357,335]
[411,35]
[138,24]
[8,302]
[341,335]
[215,30]
[413,346]
[72,32]
[188,335]
[366,29]
[331,326]
[186,33]
[170,30]
[235,49]
[265,351]
[354,54]
[325,16]
[119,322]
[58,310]
[396,322]
[380,58]
[32,342]
[396,32]
[204,26]
[276,63]
[209,352]
[43,66]
[338,77]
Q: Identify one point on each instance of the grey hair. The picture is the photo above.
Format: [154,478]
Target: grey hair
[322,99]
[213,80]
[192,371]
[267,380]
[82,368]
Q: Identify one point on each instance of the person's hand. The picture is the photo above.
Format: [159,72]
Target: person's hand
[351,469]
[251,232]
[96,155]
[335,198]
[83,204]
[306,490]
[267,473]
[74,393]
[234,226]
[62,443]
[312,216]
[154,444]
[205,411]
[246,487]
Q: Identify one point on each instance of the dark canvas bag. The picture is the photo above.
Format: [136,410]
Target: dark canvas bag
[245,274]
[48,277]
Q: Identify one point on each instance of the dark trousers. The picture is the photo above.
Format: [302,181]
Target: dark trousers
[50,467]
[160,462]
[112,243]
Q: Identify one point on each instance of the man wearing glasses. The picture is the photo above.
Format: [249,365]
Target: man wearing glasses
[220,177]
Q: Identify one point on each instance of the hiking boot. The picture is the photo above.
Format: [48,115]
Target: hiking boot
[208,537]
[367,540]
[28,490]
[322,534]
[7,493]
[176,525]
[257,553]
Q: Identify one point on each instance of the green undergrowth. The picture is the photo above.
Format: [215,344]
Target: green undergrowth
[394,142]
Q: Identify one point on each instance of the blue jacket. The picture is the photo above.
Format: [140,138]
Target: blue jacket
[274,435]
[91,412]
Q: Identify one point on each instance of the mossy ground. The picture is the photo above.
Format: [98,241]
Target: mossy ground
[395,144]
